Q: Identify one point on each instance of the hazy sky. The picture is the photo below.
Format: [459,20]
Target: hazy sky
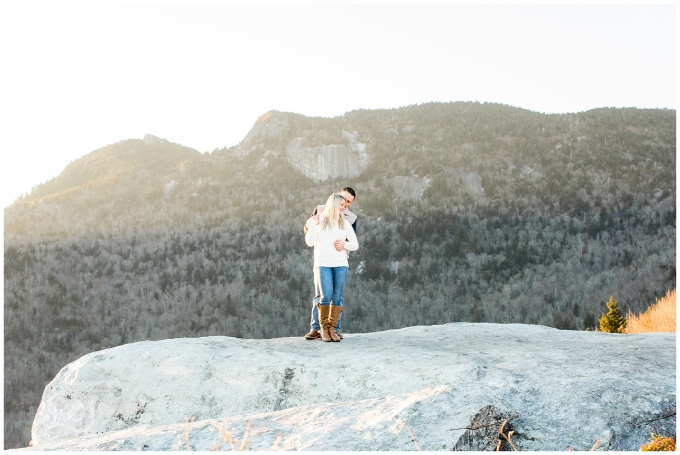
[76,76]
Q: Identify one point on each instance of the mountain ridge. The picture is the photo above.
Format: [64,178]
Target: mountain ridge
[274,124]
[110,164]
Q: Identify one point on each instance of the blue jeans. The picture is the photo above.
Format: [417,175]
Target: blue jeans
[328,285]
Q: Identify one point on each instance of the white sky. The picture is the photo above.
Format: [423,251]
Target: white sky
[77,76]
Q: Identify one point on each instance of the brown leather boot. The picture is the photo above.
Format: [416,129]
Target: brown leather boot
[312,335]
[324,323]
[334,316]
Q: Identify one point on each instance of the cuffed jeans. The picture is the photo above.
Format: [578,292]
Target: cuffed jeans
[328,285]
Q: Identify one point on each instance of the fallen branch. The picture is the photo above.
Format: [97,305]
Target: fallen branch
[249,426]
[187,432]
[661,417]
[413,436]
[507,437]
[487,430]
[476,426]
[597,443]
[226,436]
[275,446]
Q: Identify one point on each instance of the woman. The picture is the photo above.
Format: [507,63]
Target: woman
[327,233]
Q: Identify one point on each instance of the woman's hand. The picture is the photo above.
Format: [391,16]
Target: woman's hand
[339,245]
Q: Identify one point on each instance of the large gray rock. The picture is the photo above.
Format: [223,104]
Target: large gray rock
[329,161]
[346,159]
[473,183]
[269,125]
[385,423]
[369,392]
[409,187]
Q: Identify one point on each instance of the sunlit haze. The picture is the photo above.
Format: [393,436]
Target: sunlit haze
[77,76]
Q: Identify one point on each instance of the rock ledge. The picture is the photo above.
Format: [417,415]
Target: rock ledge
[369,392]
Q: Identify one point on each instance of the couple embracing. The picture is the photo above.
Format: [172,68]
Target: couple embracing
[332,232]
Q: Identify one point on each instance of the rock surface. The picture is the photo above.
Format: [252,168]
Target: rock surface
[473,183]
[409,187]
[371,391]
[269,125]
[329,161]
[319,163]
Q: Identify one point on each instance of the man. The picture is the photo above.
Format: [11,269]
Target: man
[349,195]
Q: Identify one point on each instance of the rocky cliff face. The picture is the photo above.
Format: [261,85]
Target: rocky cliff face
[329,161]
[408,389]
[320,162]
[409,187]
[269,125]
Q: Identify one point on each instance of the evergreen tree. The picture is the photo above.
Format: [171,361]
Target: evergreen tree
[613,322]
[589,321]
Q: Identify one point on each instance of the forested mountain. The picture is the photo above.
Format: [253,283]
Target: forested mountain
[467,212]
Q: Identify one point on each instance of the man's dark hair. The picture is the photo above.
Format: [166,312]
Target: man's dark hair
[350,191]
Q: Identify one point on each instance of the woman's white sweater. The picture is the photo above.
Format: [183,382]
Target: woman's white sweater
[325,254]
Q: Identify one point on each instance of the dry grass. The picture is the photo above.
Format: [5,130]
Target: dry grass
[659,317]
[659,443]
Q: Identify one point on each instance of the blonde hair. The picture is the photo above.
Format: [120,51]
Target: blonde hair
[331,213]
